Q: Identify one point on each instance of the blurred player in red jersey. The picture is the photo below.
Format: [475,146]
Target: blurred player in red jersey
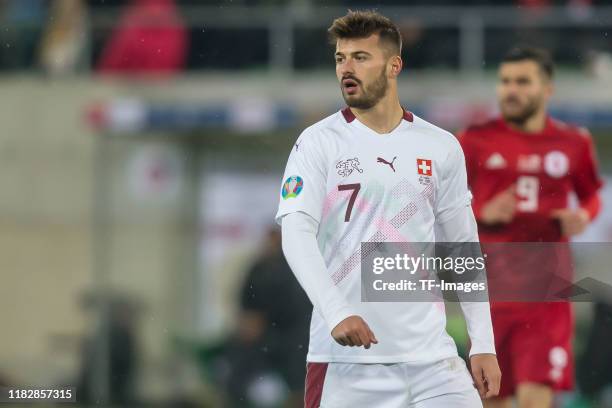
[521,169]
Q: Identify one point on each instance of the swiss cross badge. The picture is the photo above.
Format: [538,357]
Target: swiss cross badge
[424,167]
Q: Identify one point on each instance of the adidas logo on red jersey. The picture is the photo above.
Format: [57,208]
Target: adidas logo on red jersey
[495,161]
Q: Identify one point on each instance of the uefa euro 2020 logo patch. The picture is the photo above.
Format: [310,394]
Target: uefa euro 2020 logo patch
[292,187]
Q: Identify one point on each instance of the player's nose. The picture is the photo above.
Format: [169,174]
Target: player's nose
[512,89]
[347,68]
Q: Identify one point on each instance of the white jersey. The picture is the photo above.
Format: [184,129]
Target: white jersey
[366,187]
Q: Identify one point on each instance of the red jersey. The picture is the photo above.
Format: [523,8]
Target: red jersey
[545,168]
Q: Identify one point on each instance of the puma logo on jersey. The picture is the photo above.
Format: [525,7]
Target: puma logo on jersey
[346,167]
[495,161]
[390,164]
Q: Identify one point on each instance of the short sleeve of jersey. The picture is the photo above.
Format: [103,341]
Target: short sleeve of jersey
[305,180]
[453,193]
[585,177]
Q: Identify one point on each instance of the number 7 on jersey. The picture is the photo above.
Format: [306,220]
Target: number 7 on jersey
[355,187]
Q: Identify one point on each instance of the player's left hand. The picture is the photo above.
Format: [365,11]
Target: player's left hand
[573,222]
[486,374]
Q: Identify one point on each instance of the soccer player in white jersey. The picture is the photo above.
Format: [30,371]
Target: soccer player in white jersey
[375,172]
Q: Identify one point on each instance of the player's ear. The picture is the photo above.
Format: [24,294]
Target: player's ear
[549,85]
[551,88]
[395,64]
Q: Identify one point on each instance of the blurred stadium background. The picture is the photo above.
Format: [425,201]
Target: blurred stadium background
[141,148]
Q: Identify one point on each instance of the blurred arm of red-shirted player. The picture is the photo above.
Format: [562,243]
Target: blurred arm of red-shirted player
[500,209]
[575,221]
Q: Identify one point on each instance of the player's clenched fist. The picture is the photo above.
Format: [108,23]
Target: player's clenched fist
[353,331]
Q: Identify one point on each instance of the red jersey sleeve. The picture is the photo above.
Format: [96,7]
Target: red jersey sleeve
[585,176]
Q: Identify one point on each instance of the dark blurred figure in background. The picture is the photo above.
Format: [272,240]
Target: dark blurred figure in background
[122,351]
[272,335]
[594,373]
[150,38]
[21,22]
[106,3]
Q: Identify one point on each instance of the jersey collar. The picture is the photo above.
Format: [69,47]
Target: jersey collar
[549,128]
[349,116]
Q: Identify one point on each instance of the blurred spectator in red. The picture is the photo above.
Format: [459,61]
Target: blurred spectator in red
[150,38]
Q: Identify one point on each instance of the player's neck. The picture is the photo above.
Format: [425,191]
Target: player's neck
[382,118]
[535,124]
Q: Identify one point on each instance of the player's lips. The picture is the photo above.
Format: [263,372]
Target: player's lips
[512,106]
[514,102]
[350,85]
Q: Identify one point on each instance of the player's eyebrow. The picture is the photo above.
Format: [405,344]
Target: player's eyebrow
[354,53]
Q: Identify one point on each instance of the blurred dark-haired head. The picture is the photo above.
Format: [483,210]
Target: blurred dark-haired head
[524,84]
[541,57]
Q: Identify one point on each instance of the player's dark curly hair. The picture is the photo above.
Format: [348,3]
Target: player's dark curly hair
[538,55]
[362,24]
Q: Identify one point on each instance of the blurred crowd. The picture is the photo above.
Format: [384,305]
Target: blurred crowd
[55,37]
[59,37]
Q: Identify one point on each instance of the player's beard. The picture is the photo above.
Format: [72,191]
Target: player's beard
[521,116]
[372,93]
